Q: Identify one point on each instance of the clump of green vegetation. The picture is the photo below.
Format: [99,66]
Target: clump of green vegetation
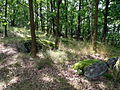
[82,64]
[108,76]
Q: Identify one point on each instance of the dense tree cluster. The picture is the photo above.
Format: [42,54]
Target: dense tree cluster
[88,20]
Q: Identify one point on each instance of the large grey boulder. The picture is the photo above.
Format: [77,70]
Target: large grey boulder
[96,69]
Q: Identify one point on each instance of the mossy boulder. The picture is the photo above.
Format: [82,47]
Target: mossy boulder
[47,43]
[95,70]
[82,64]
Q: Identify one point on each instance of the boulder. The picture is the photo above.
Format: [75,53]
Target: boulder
[112,61]
[96,69]
[25,46]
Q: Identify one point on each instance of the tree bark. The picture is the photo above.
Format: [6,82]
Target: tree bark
[66,18]
[58,24]
[105,28]
[79,21]
[91,18]
[94,40]
[36,16]
[41,18]
[32,24]
[47,18]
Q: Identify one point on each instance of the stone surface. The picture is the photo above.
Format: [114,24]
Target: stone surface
[95,70]
[112,61]
[25,46]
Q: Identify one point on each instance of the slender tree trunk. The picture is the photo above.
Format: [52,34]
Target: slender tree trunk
[32,24]
[36,16]
[66,18]
[47,18]
[58,24]
[6,35]
[79,21]
[94,40]
[41,17]
[105,28]
[71,23]
[54,32]
[51,8]
[91,18]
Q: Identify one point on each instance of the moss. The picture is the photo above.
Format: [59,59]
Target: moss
[48,43]
[82,64]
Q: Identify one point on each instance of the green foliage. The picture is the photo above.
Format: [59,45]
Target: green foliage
[114,74]
[82,64]
[108,76]
[66,41]
[80,72]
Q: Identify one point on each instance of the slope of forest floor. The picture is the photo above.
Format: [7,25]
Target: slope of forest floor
[18,71]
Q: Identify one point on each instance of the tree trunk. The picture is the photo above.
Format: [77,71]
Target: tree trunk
[91,19]
[47,18]
[6,35]
[105,28]
[66,18]
[41,17]
[79,21]
[58,24]
[32,24]
[54,32]
[94,41]
[36,16]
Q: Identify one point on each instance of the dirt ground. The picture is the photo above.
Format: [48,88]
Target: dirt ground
[20,73]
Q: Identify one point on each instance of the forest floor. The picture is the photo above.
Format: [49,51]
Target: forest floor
[18,71]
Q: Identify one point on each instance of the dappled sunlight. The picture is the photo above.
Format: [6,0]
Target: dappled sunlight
[21,32]
[41,55]
[47,78]
[102,85]
[57,56]
[51,68]
[2,85]
[13,80]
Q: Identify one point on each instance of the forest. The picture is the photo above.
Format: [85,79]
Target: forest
[59,44]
